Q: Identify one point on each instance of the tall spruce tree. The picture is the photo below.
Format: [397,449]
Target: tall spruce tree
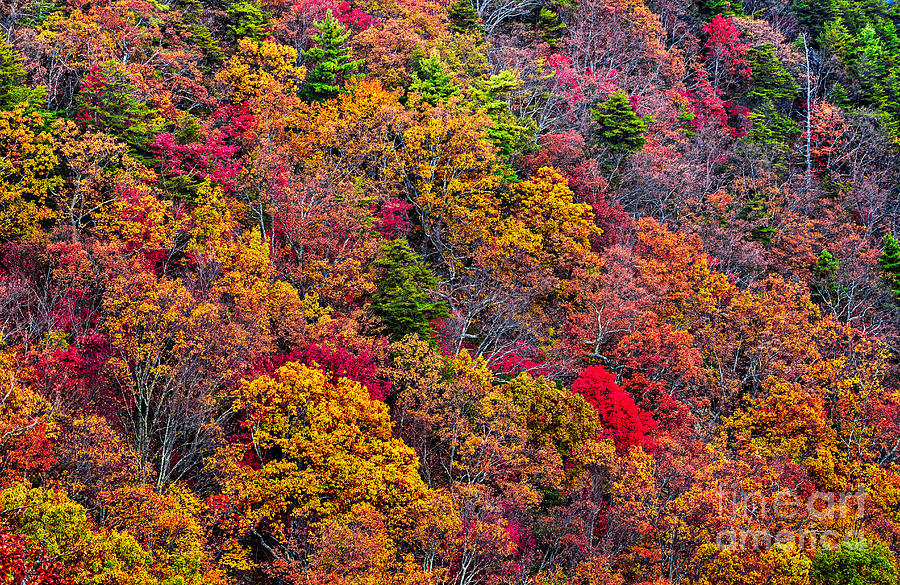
[890,261]
[247,19]
[550,27]
[463,17]
[329,60]
[617,124]
[13,89]
[432,80]
[401,297]
[770,80]
[813,14]
[507,132]
[109,102]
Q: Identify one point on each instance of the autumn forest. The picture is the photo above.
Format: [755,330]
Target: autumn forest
[449,292]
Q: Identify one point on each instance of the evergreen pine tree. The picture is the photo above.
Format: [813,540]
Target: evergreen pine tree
[770,80]
[890,261]
[837,39]
[813,14]
[549,25]
[870,62]
[401,298]
[109,102]
[432,80]
[825,288]
[329,60]
[13,89]
[247,19]
[772,130]
[200,35]
[826,266]
[617,124]
[507,132]
[839,96]
[889,97]
[711,8]
[463,17]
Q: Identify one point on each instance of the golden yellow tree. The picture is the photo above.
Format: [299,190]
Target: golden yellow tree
[313,450]
[28,179]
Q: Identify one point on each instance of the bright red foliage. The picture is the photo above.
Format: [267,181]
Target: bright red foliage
[725,50]
[622,420]
[22,561]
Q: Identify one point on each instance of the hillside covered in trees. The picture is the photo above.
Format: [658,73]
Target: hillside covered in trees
[487,292]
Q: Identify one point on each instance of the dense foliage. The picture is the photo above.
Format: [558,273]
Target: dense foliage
[473,292]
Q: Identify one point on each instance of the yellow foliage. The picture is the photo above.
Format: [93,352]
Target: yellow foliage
[262,74]
[28,161]
[546,206]
[324,447]
[139,221]
[787,422]
[60,527]
[168,525]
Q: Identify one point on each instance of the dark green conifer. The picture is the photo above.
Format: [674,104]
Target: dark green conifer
[826,266]
[813,14]
[890,261]
[329,60]
[111,103]
[617,124]
[711,8]
[839,96]
[770,80]
[825,287]
[432,80]
[550,26]
[508,133]
[401,295]
[247,19]
[463,17]
[772,130]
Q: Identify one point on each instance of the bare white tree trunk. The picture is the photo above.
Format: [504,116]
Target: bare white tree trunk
[808,115]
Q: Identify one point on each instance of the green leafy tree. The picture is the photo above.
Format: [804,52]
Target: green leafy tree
[855,563]
[463,17]
[401,297]
[890,261]
[58,530]
[432,80]
[617,124]
[329,60]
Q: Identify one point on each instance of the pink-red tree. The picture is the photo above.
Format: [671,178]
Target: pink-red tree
[622,420]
